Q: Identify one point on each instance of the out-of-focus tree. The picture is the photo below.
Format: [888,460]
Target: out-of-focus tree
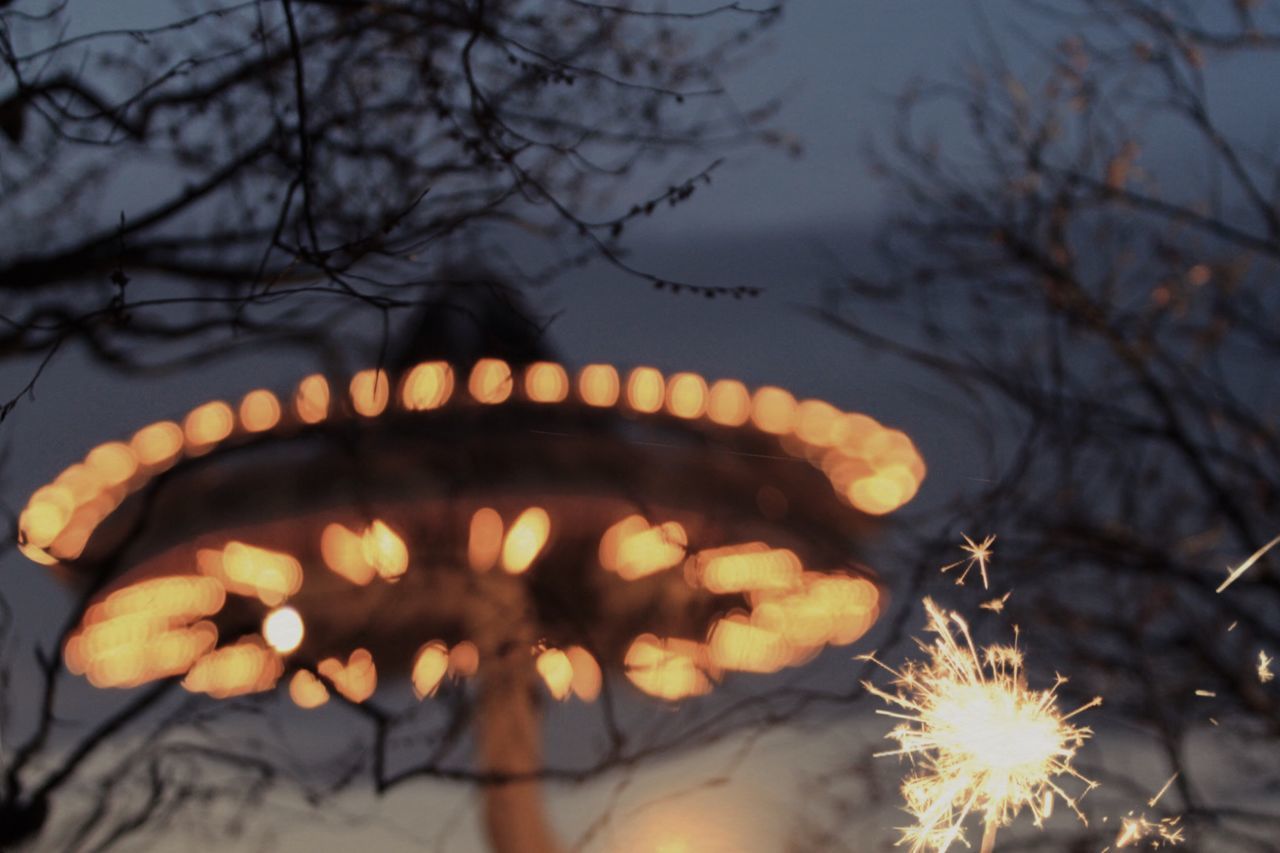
[1089,256]
[187,180]
[254,174]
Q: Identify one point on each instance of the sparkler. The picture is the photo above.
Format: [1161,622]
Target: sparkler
[981,741]
[979,553]
[1264,667]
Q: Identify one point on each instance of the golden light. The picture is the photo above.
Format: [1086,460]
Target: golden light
[490,381]
[852,431]
[729,403]
[307,691]
[670,669]
[686,395]
[773,410]
[427,386]
[598,385]
[311,400]
[128,650]
[734,643]
[735,605]
[587,677]
[246,667]
[464,659]
[343,552]
[816,423]
[556,671]
[370,390]
[166,598]
[356,680]
[430,665]
[283,630]
[877,495]
[157,445]
[981,741]
[384,551]
[634,549]
[270,576]
[207,425]
[645,390]
[545,382]
[42,520]
[114,462]
[746,567]
[525,539]
[259,411]
[484,540]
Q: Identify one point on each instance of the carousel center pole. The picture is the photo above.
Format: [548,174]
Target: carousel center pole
[507,723]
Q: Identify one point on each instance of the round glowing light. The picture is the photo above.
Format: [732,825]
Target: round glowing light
[729,403]
[545,382]
[525,540]
[370,390]
[645,390]
[41,522]
[307,691]
[484,542]
[490,381]
[385,551]
[259,410]
[113,461]
[428,386]
[430,665]
[464,659]
[157,444]
[587,678]
[206,425]
[816,421]
[686,395]
[598,385]
[311,400]
[557,672]
[283,629]
[773,410]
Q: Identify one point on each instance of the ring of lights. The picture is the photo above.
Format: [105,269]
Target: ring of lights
[664,526]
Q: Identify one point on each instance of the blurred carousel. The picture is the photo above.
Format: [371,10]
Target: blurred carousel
[475,512]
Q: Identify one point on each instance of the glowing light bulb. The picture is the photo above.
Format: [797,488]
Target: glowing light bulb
[283,629]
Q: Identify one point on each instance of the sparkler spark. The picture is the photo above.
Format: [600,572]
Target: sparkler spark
[980,740]
[1158,833]
[1151,803]
[1247,564]
[1264,667]
[979,553]
[996,605]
